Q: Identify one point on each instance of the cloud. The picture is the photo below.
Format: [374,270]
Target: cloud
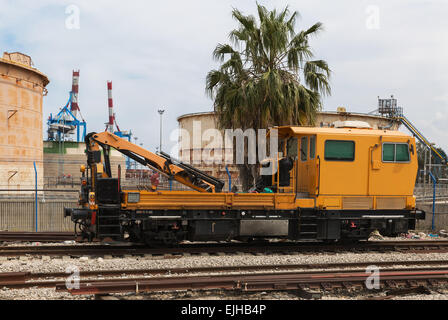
[158,54]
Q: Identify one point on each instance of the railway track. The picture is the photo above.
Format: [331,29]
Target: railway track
[328,281]
[409,275]
[36,236]
[419,246]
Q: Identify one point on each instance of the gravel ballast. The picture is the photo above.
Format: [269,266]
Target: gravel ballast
[47,264]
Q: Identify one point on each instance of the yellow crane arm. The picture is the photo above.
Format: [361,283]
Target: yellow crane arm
[180,172]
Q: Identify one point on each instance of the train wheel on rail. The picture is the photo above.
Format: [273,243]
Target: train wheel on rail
[164,239]
[349,240]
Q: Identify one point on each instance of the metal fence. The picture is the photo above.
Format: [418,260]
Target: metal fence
[424,192]
[18,207]
[17,211]
[19,215]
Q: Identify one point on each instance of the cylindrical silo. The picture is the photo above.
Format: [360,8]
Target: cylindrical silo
[21,139]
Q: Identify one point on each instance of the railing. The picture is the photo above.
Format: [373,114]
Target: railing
[424,192]
[18,214]
[421,137]
[51,182]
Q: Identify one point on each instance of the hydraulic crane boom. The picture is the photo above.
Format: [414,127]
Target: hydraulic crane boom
[163,163]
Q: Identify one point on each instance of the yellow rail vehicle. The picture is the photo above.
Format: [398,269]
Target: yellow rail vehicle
[327,183]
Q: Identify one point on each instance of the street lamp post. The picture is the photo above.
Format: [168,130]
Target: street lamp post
[141,170]
[161,111]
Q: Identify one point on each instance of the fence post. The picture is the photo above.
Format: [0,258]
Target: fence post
[434,182]
[35,195]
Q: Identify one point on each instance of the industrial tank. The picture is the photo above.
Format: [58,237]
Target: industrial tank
[21,138]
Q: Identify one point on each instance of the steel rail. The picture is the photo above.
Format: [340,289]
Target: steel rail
[36,236]
[24,279]
[260,282]
[418,246]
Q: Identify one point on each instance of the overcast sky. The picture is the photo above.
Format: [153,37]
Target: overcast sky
[157,53]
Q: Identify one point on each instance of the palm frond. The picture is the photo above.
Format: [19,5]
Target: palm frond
[258,83]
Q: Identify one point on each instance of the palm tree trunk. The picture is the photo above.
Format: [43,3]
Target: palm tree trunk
[246,177]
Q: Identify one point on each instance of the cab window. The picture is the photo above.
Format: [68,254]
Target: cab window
[312,147]
[395,152]
[304,149]
[339,150]
[291,148]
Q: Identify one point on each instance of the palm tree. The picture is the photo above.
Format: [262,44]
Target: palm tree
[268,76]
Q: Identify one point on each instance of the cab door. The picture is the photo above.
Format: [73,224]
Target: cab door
[393,160]
[312,166]
[303,165]
[307,164]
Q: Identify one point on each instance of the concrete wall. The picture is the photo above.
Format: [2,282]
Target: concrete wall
[441,216]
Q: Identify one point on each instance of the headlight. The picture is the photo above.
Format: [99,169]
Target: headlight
[133,197]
